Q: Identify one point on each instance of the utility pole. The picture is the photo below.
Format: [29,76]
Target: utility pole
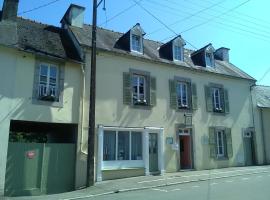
[91,129]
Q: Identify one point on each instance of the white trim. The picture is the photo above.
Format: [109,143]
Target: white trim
[122,164]
[140,40]
[219,99]
[222,133]
[180,85]
[181,52]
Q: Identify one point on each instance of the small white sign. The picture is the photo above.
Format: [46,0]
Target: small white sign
[175,147]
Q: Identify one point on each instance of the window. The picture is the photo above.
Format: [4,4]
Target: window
[139,89]
[48,82]
[220,142]
[182,95]
[122,145]
[220,137]
[177,53]
[216,99]
[136,43]
[209,61]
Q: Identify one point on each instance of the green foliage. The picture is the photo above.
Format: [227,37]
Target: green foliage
[27,137]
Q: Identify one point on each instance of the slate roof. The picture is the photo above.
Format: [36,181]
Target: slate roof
[42,39]
[106,40]
[262,94]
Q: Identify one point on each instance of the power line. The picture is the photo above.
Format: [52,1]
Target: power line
[36,8]
[120,13]
[176,34]
[190,16]
[264,75]
[213,18]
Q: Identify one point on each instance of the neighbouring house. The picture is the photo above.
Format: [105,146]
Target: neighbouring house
[41,101]
[163,108]
[261,113]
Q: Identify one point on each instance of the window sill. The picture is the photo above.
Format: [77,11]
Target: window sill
[222,158]
[57,104]
[145,107]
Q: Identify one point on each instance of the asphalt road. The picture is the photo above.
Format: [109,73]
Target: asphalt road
[248,187]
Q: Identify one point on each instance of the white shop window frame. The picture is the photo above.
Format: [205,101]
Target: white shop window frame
[131,164]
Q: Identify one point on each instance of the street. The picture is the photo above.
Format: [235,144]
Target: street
[247,187]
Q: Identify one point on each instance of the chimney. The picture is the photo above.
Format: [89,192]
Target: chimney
[222,54]
[74,16]
[9,10]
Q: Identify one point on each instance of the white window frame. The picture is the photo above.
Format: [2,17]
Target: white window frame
[178,55]
[220,133]
[47,86]
[181,85]
[217,99]
[211,59]
[144,101]
[184,131]
[139,50]
[130,146]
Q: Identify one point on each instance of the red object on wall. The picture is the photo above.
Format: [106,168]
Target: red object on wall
[185,161]
[30,154]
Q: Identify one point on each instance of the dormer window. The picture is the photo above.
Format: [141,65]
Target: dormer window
[209,56]
[136,43]
[178,54]
[209,60]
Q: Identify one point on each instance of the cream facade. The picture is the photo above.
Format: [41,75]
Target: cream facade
[111,112]
[17,103]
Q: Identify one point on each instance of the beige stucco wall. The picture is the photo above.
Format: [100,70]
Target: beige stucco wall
[16,88]
[110,110]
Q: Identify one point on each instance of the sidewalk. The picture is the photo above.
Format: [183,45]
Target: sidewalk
[144,182]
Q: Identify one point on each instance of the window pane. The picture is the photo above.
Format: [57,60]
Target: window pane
[136,45]
[109,142]
[123,145]
[136,146]
[43,70]
[53,72]
[177,53]
[208,60]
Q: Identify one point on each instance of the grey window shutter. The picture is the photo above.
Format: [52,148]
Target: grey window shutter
[208,98]
[36,82]
[194,96]
[173,95]
[127,93]
[226,101]
[153,88]
[212,142]
[229,142]
[61,83]
[222,99]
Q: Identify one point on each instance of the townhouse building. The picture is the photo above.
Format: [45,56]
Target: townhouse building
[161,107]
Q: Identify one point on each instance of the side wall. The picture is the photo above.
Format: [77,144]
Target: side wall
[17,78]
[266,129]
[110,110]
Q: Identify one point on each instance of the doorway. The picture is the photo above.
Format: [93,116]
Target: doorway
[249,148]
[153,153]
[185,143]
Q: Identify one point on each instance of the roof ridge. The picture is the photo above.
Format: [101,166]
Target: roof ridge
[36,22]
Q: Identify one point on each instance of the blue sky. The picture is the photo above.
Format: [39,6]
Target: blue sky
[241,25]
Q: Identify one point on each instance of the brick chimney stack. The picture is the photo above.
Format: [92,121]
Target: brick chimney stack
[9,10]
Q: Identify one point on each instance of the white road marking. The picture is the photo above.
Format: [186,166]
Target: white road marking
[213,183]
[244,179]
[177,189]
[195,186]
[161,190]
[229,181]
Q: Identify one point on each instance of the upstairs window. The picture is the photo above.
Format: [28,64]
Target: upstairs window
[136,43]
[139,89]
[209,60]
[48,82]
[220,137]
[178,53]
[182,95]
[216,99]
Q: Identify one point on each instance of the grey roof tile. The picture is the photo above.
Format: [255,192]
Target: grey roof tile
[106,40]
[262,95]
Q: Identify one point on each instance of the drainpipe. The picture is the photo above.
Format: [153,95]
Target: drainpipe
[82,108]
[263,136]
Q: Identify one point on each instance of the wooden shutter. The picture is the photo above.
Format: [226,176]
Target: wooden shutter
[221,90]
[226,101]
[194,96]
[127,93]
[153,88]
[208,98]
[212,142]
[173,95]
[229,142]
[36,81]
[61,83]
